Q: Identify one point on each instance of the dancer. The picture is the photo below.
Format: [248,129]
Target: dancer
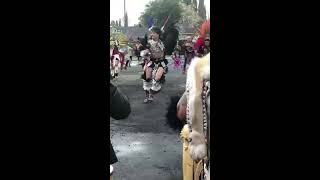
[115,61]
[202,46]
[176,60]
[189,53]
[155,68]
[122,54]
[197,130]
[192,112]
[137,49]
[115,66]
[129,57]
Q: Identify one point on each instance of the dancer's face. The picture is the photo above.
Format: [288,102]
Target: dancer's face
[154,36]
[207,42]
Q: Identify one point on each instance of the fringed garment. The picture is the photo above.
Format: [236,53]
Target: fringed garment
[156,60]
[198,114]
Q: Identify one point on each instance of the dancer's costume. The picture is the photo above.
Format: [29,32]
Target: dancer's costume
[176,60]
[200,46]
[128,57]
[116,65]
[115,61]
[196,133]
[156,60]
[153,61]
[188,55]
[122,53]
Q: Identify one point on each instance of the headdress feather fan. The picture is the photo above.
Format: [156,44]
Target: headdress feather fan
[204,29]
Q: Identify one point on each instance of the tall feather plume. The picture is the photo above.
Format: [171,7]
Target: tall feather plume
[204,29]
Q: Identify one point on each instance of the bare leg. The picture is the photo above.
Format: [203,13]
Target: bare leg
[127,63]
[147,96]
[159,73]
[148,73]
[116,68]
[156,86]
[130,61]
[147,83]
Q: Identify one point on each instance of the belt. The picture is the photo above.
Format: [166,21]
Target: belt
[157,61]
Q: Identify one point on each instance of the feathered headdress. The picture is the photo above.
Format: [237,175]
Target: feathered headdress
[204,32]
[204,29]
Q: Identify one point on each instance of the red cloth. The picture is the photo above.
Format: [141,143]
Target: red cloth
[199,43]
[115,51]
[121,58]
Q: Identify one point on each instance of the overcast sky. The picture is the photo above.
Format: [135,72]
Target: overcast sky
[134,9]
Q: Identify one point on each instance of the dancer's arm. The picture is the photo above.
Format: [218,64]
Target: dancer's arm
[182,107]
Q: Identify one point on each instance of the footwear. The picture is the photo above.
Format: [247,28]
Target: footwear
[146,100]
[111,170]
[150,99]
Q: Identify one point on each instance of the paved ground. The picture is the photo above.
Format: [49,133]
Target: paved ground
[146,147]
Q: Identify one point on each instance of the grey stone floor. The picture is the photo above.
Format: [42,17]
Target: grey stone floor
[146,147]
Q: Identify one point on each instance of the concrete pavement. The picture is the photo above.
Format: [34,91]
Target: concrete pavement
[146,147]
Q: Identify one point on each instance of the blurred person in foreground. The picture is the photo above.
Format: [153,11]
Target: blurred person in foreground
[119,109]
[191,113]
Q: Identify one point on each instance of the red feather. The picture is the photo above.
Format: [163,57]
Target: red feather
[205,29]
[199,43]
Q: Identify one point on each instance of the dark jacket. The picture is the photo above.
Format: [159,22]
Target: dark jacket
[119,104]
[119,109]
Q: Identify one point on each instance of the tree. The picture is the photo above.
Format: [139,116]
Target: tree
[187,2]
[202,9]
[190,16]
[159,10]
[113,23]
[126,20]
[195,5]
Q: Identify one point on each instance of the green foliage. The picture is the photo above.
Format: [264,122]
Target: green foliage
[113,23]
[202,9]
[195,4]
[159,10]
[126,20]
[190,16]
[187,2]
